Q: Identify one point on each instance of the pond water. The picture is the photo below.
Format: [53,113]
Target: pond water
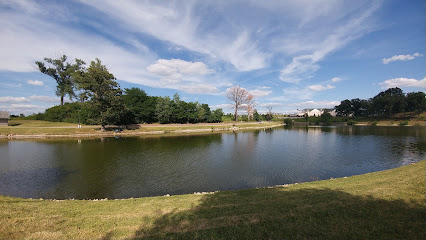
[151,166]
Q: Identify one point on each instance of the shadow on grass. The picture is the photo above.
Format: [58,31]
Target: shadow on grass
[276,213]
[121,128]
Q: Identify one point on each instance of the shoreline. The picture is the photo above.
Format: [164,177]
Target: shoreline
[138,133]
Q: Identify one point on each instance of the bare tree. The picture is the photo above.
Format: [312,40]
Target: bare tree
[250,104]
[238,96]
[269,115]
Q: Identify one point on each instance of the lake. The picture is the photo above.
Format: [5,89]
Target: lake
[152,166]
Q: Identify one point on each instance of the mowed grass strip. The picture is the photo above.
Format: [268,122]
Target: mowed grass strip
[381,205]
[37,127]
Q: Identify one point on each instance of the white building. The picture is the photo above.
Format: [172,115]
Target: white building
[315,112]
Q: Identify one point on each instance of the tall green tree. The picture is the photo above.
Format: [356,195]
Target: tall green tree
[135,99]
[345,108]
[163,109]
[106,104]
[389,102]
[63,73]
[416,102]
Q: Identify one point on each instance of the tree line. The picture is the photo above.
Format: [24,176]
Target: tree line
[101,100]
[385,104]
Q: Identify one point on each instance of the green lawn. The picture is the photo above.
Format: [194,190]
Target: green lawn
[382,205]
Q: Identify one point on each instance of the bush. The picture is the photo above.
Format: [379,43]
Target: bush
[351,122]
[374,123]
[288,122]
[403,123]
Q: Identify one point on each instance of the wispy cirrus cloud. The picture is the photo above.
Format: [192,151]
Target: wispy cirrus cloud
[303,66]
[401,58]
[336,79]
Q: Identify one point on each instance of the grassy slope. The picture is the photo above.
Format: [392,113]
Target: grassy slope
[382,205]
[35,127]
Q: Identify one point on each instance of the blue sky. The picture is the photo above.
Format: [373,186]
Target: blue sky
[289,54]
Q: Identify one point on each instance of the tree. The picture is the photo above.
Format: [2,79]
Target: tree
[106,104]
[250,104]
[389,102]
[63,73]
[326,117]
[163,109]
[269,116]
[216,116]
[416,102]
[256,115]
[238,96]
[135,99]
[345,108]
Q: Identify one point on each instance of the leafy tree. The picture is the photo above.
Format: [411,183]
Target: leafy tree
[326,117]
[163,109]
[63,73]
[256,116]
[416,102]
[216,116]
[359,107]
[345,108]
[135,99]
[106,103]
[389,102]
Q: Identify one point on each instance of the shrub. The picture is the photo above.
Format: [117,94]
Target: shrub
[351,122]
[288,122]
[403,123]
[374,123]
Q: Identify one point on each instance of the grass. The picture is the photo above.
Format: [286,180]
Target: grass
[36,127]
[381,205]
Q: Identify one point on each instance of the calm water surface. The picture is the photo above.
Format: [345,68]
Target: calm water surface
[151,166]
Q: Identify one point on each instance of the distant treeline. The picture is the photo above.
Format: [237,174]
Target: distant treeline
[385,104]
[139,108]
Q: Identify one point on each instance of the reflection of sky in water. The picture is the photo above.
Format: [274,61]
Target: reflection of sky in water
[134,167]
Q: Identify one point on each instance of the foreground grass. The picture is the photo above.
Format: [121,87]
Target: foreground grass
[36,127]
[382,205]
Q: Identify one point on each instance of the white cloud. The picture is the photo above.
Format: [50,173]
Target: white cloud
[173,70]
[320,87]
[401,58]
[264,87]
[403,82]
[35,83]
[198,88]
[183,25]
[13,99]
[336,79]
[271,104]
[257,93]
[298,93]
[223,106]
[22,108]
[182,75]
[44,99]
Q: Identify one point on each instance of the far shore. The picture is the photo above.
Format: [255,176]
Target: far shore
[41,129]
